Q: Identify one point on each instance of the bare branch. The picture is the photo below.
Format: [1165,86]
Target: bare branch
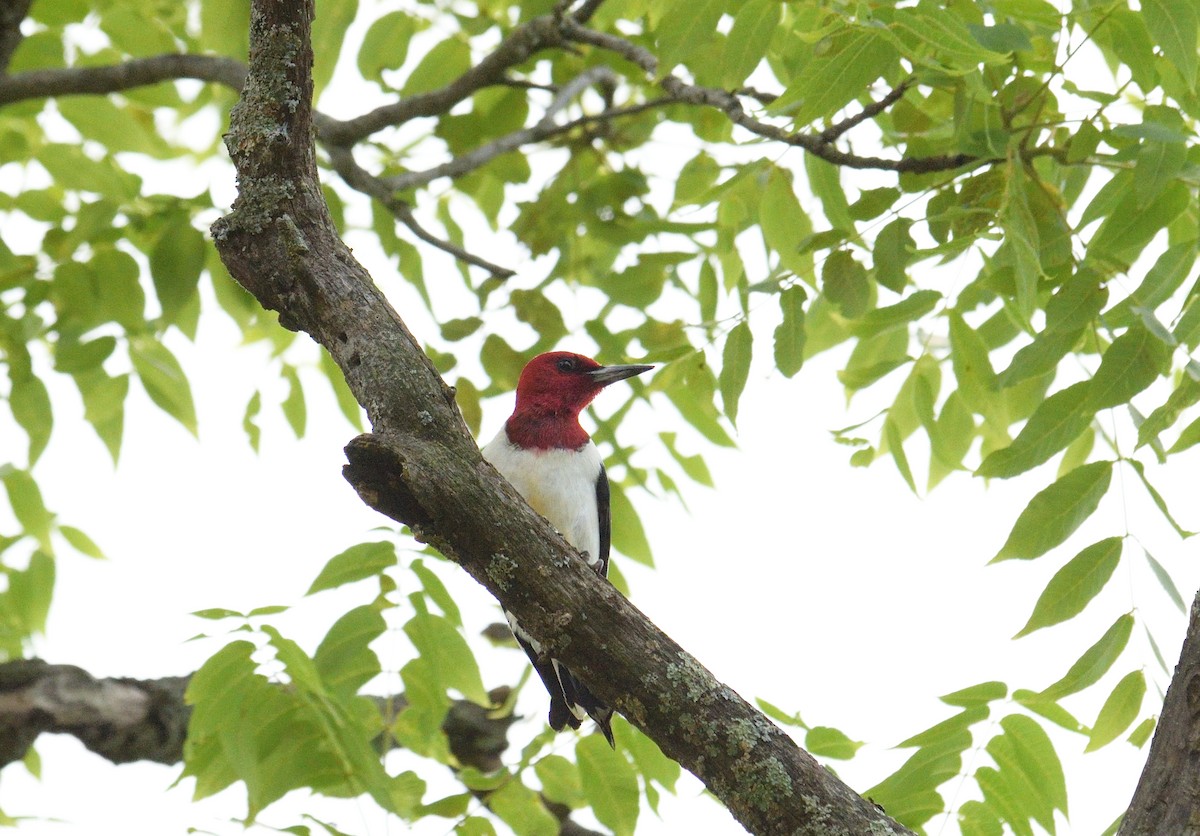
[545,128]
[136,72]
[522,42]
[869,112]
[728,103]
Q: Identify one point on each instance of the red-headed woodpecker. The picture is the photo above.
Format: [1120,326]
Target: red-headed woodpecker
[553,463]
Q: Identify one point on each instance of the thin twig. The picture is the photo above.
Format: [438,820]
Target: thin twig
[869,112]
[731,106]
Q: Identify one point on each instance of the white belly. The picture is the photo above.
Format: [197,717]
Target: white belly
[559,484]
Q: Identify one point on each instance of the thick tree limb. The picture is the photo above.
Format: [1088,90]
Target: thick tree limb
[12,12]
[124,720]
[422,467]
[1167,798]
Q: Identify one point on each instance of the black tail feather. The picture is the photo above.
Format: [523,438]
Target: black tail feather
[566,691]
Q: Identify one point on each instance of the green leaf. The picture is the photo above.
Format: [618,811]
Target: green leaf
[1158,164]
[79,541]
[344,660]
[1164,578]
[1140,470]
[846,283]
[693,466]
[685,26]
[520,808]
[1173,25]
[1056,511]
[906,311]
[893,250]
[341,391]
[825,181]
[753,25]
[826,742]
[1057,422]
[790,333]
[449,58]
[164,381]
[104,406]
[1133,361]
[1072,309]
[609,783]
[854,59]
[1027,755]
[333,18]
[1129,228]
[784,224]
[1094,663]
[895,446]
[951,42]
[30,592]
[1141,735]
[252,430]
[30,405]
[364,560]
[27,506]
[972,367]
[1119,711]
[176,261]
[437,591]
[385,46]
[1075,585]
[735,368]
[560,780]
[982,693]
[446,651]
[628,534]
[294,409]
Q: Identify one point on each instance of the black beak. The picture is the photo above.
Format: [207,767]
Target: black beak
[611,374]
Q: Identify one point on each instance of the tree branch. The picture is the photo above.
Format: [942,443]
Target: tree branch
[729,104]
[12,13]
[422,467]
[136,72]
[1167,798]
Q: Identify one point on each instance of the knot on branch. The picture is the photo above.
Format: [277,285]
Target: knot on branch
[376,470]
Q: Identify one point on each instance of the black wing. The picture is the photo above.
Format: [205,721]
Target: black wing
[604,510]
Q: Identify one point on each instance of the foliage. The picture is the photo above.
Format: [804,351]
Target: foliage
[1004,270]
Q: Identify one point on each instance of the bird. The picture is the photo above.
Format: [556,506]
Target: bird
[551,460]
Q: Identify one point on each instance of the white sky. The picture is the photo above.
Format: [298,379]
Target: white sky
[824,589]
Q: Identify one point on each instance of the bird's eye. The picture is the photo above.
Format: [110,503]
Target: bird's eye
[566,364]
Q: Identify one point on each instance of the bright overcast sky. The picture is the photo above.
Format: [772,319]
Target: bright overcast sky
[824,589]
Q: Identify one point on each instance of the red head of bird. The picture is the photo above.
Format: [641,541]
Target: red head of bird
[551,392]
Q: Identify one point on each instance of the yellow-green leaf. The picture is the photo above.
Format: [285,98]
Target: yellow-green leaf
[1056,511]
[1119,711]
[1075,584]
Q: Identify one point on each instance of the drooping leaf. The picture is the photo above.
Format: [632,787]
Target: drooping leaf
[1075,585]
[1056,511]
[364,560]
[609,783]
[735,368]
[445,649]
[1094,663]
[1119,711]
[164,380]
[1055,424]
